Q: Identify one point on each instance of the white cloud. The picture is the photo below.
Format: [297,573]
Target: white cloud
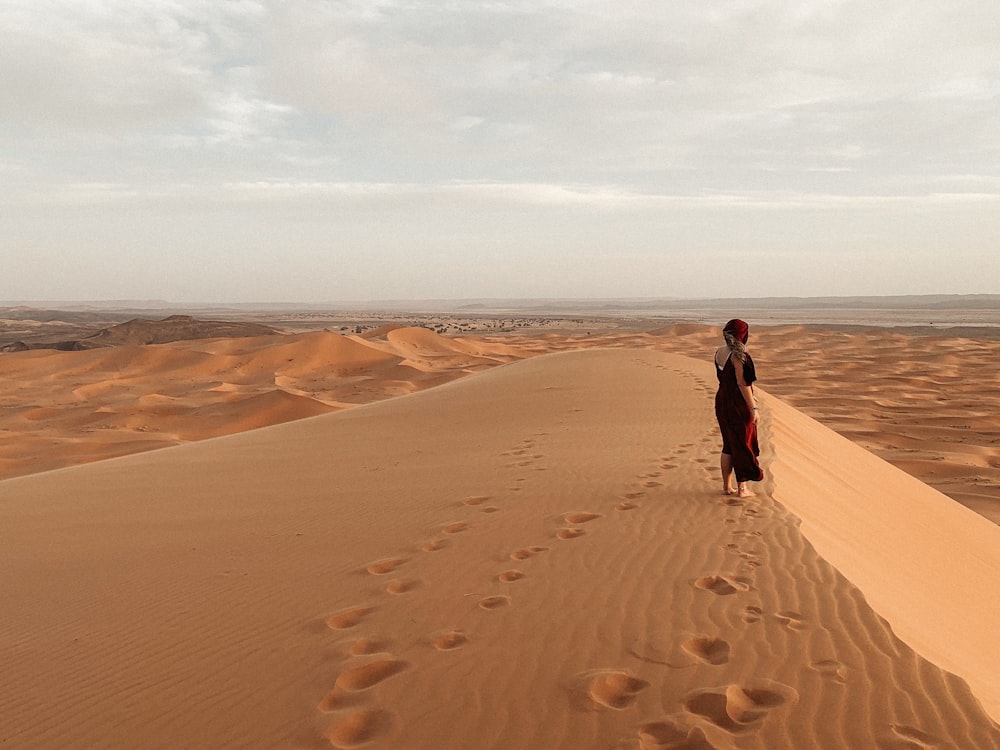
[550,116]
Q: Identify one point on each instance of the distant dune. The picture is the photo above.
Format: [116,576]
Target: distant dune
[139,332]
[70,407]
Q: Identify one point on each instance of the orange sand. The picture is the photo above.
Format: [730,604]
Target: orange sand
[925,404]
[537,556]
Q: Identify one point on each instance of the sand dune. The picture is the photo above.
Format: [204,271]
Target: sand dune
[67,408]
[925,404]
[533,557]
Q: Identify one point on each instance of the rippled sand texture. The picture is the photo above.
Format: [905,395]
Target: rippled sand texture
[537,556]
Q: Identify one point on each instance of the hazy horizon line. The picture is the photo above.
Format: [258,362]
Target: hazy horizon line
[153,302]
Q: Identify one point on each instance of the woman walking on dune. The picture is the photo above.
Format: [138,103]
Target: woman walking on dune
[736,410]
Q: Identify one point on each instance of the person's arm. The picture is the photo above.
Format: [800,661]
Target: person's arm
[745,388]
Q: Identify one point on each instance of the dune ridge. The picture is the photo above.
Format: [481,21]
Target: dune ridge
[923,403]
[876,524]
[537,556]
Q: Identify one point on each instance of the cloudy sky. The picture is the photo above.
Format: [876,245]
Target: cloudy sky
[323,150]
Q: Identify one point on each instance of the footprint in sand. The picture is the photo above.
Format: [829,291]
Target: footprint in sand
[710,650]
[791,620]
[738,709]
[494,602]
[652,483]
[358,679]
[752,614]
[348,618]
[832,669]
[358,728]
[434,545]
[476,500]
[381,567]
[722,585]
[369,674]
[509,576]
[401,586]
[450,640]
[667,735]
[568,533]
[626,505]
[525,552]
[611,688]
[580,517]
[455,528]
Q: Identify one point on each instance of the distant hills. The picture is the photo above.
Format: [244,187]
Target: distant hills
[141,331]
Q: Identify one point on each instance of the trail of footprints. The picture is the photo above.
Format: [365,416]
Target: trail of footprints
[735,709]
[524,457]
[368,662]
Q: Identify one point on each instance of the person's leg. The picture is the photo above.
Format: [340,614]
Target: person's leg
[726,465]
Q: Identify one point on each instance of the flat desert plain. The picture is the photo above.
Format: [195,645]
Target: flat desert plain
[398,539]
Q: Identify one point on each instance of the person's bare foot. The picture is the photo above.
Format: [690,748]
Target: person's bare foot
[745,491]
[728,490]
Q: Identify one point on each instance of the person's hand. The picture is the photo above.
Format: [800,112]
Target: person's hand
[755,416]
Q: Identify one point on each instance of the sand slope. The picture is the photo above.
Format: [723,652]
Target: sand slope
[66,408]
[903,543]
[536,556]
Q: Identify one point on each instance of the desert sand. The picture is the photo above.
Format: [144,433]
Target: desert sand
[533,553]
[923,403]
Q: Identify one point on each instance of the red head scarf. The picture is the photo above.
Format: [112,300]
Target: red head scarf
[739,329]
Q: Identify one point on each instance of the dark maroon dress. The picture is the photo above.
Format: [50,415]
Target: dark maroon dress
[739,433]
